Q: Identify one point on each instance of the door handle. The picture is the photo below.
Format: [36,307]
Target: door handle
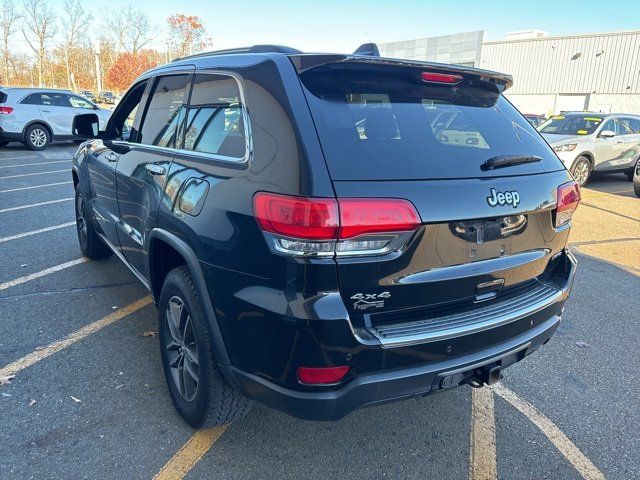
[111,157]
[154,169]
[48,111]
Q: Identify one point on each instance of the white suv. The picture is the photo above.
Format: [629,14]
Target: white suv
[37,116]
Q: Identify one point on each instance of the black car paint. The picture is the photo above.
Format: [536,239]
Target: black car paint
[269,314]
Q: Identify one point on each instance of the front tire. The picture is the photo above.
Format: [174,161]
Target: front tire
[37,137]
[199,392]
[90,242]
[581,171]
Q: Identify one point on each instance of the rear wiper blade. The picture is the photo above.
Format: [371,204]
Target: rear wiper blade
[507,160]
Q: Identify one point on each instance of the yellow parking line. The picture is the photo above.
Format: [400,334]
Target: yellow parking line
[190,454]
[482,462]
[37,355]
[580,462]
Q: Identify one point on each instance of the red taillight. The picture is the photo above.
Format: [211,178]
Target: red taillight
[325,226]
[6,110]
[435,77]
[321,376]
[297,217]
[568,198]
[367,215]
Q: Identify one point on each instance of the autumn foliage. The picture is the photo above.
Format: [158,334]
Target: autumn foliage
[128,66]
[186,34]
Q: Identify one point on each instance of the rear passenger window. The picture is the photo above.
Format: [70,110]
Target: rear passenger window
[48,99]
[214,119]
[161,120]
[632,124]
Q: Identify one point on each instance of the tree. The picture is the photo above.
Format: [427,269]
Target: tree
[8,19]
[128,66]
[128,29]
[186,34]
[74,26]
[40,23]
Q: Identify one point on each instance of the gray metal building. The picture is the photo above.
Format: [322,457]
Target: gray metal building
[597,72]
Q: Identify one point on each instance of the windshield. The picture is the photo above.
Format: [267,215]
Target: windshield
[387,124]
[571,124]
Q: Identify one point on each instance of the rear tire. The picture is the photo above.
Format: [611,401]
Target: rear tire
[37,137]
[90,242]
[632,170]
[199,391]
[581,170]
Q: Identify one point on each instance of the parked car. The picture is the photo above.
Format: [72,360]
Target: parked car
[594,142]
[309,240]
[89,95]
[636,178]
[534,119]
[37,117]
[107,97]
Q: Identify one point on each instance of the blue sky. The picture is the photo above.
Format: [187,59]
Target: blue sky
[342,25]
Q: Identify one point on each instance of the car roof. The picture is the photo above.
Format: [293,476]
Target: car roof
[35,89]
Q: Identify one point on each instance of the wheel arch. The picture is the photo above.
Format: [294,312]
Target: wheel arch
[38,122]
[589,156]
[159,241]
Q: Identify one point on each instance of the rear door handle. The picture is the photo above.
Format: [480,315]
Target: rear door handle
[48,111]
[154,169]
[111,157]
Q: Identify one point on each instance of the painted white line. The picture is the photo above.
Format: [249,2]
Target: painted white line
[35,232]
[21,207]
[37,173]
[37,355]
[34,186]
[580,462]
[482,452]
[42,273]
[33,163]
[20,157]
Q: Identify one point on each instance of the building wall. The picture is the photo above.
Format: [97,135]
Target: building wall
[461,48]
[603,68]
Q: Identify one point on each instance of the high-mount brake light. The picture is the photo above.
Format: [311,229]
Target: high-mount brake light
[321,375]
[301,226]
[6,110]
[568,198]
[436,77]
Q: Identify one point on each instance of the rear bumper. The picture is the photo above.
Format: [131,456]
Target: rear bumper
[384,387]
[10,136]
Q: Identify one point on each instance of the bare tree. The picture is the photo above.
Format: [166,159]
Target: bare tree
[129,29]
[8,19]
[40,24]
[74,26]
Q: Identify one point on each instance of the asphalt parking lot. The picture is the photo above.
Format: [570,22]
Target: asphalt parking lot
[88,397]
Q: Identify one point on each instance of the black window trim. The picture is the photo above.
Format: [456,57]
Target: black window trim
[45,92]
[234,162]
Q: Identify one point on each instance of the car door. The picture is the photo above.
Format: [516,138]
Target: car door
[102,159]
[631,137]
[610,150]
[142,168]
[56,110]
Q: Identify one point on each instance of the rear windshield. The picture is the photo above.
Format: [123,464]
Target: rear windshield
[571,125]
[379,123]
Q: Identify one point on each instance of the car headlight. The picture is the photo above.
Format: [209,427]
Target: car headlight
[565,148]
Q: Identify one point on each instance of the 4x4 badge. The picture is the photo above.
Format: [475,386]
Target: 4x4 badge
[369,300]
[503,198]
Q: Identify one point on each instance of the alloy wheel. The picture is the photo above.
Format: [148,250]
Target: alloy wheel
[181,348]
[38,137]
[81,223]
[581,173]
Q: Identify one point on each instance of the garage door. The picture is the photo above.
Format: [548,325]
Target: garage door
[571,102]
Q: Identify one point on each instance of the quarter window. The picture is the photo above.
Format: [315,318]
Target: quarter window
[215,122]
[161,120]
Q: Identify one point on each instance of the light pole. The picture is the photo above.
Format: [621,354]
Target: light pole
[96,50]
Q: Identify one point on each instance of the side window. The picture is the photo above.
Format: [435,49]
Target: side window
[629,125]
[162,116]
[78,102]
[55,100]
[609,125]
[124,115]
[215,122]
[33,99]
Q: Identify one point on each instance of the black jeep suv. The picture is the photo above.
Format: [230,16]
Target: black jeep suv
[322,232]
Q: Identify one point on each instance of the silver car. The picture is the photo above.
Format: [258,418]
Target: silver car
[594,142]
[38,116]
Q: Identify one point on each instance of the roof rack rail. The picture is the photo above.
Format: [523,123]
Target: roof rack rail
[253,49]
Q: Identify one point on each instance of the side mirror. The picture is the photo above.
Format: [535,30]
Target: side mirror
[86,126]
[607,134]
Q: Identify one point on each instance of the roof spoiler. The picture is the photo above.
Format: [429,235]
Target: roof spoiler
[368,49]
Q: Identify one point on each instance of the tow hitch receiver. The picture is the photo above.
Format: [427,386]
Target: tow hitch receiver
[487,375]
